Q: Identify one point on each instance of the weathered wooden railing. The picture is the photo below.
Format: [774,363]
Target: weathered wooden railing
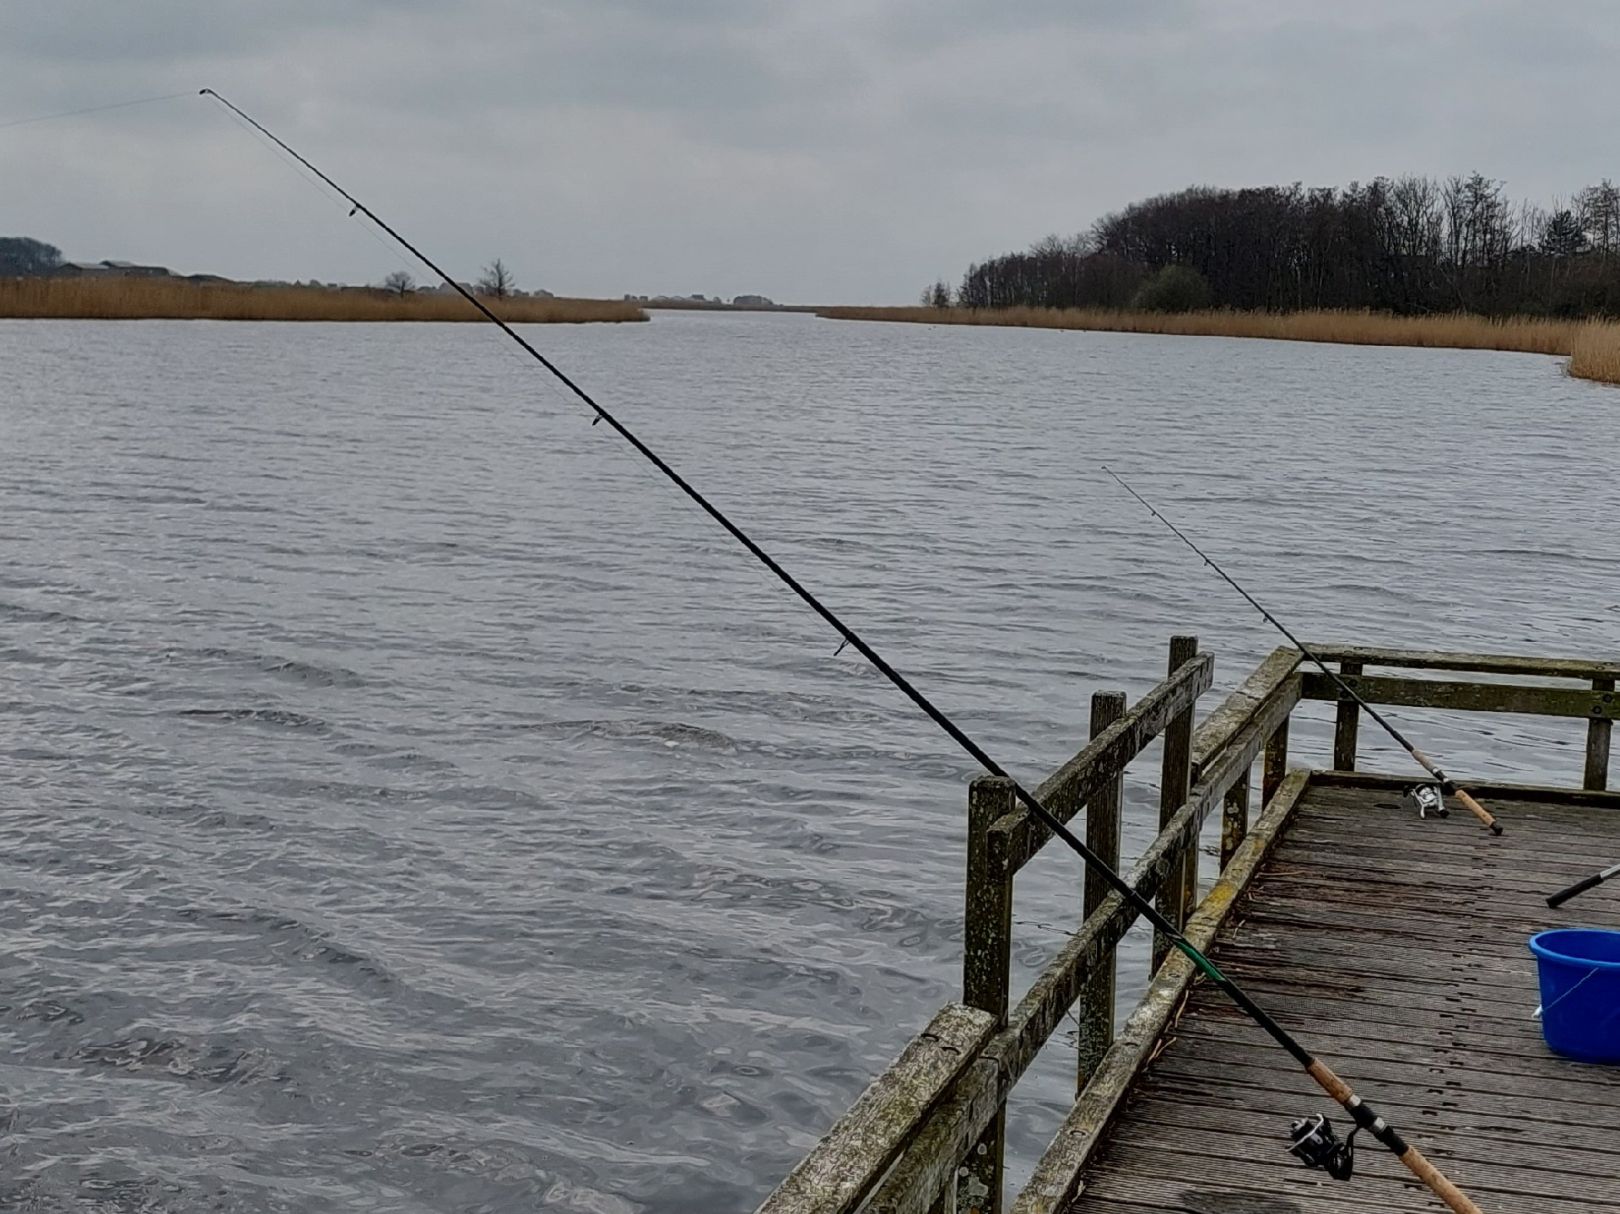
[1598,703]
[938,1111]
[928,1134]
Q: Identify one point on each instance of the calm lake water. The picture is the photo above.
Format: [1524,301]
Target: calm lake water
[411,804]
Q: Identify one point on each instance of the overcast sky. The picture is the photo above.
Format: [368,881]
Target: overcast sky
[814,151]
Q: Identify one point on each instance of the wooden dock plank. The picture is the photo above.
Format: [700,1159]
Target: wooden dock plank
[1396,948]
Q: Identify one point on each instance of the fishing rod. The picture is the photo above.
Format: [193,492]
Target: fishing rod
[1581,886]
[1428,765]
[1313,1141]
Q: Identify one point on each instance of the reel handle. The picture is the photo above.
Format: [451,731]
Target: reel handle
[1480,812]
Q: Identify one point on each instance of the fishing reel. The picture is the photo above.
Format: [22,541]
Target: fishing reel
[1427,800]
[1312,1141]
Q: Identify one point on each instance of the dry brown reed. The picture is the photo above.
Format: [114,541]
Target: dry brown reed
[175,299]
[1595,345]
[1596,354]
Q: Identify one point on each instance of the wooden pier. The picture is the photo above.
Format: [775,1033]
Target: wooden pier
[1393,945]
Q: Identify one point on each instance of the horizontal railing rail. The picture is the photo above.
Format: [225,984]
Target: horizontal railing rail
[1470,697]
[1598,703]
[1473,663]
[841,1170]
[1067,790]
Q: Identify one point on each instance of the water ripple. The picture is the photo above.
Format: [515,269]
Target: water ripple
[412,806]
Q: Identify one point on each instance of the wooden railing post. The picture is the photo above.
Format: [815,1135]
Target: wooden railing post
[1346,724]
[1096,1014]
[1180,892]
[987,965]
[1597,745]
[1234,818]
[1276,763]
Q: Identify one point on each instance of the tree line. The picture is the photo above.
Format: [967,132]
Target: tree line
[1409,245]
[25,257]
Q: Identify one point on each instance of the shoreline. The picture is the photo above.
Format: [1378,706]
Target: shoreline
[1591,346]
[168,299]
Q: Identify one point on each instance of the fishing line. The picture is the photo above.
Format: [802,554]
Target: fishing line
[1363,1116]
[1428,765]
[94,109]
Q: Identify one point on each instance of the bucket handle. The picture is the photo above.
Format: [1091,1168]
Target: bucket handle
[1596,969]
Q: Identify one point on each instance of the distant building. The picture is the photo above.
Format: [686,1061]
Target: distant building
[752,301]
[130,270]
[111,269]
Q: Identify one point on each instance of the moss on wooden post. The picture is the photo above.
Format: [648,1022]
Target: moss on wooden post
[1234,818]
[1346,724]
[987,964]
[1179,894]
[1276,764]
[1096,1013]
[1597,744]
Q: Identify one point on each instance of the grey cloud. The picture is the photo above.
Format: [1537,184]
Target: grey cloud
[846,149]
[94,32]
[928,23]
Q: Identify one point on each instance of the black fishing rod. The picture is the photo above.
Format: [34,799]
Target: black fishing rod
[1581,886]
[1313,1141]
[1428,765]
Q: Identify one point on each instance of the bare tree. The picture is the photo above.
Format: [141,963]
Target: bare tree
[1598,207]
[497,282]
[399,283]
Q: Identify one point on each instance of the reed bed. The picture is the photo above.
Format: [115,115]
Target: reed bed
[1596,354]
[172,299]
[1593,346]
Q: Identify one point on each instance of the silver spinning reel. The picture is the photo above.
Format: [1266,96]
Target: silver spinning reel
[1427,800]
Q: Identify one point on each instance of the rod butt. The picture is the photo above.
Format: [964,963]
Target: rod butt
[1580,887]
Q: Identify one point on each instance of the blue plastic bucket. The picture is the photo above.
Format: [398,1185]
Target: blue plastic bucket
[1580,992]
